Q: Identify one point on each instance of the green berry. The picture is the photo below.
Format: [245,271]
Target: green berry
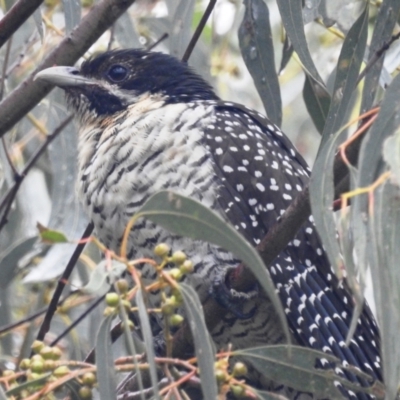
[37,357]
[89,379]
[178,257]
[25,364]
[175,319]
[108,311]
[122,285]
[131,325]
[37,345]
[37,366]
[220,375]
[47,352]
[61,371]
[56,353]
[187,267]
[239,369]
[161,250]
[85,392]
[112,299]
[238,390]
[49,365]
[175,273]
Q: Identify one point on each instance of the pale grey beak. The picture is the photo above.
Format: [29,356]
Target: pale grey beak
[63,76]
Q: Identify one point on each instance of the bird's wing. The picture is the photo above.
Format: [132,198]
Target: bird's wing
[261,173]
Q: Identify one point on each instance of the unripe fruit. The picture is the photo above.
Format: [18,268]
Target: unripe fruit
[25,364]
[37,345]
[178,257]
[47,352]
[61,371]
[122,285]
[112,299]
[85,392]
[239,369]
[162,250]
[56,353]
[89,378]
[175,273]
[238,390]
[37,366]
[187,267]
[175,319]
[220,375]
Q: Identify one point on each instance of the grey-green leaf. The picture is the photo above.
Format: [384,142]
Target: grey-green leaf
[105,361]
[148,340]
[348,67]
[391,154]
[384,25]
[103,276]
[202,343]
[256,46]
[292,18]
[317,102]
[72,14]
[190,218]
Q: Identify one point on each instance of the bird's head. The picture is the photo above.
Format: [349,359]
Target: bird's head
[112,81]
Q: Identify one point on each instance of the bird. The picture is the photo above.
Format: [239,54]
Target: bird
[148,122]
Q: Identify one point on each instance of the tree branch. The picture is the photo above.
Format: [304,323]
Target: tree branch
[15,17]
[71,48]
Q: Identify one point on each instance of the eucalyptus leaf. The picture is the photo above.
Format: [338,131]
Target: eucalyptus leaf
[202,342]
[348,67]
[105,361]
[148,340]
[391,154]
[190,218]
[103,277]
[37,17]
[72,14]
[256,46]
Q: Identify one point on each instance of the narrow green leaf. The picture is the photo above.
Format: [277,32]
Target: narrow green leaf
[391,154]
[292,18]
[263,395]
[72,14]
[321,198]
[317,102]
[10,257]
[384,255]
[202,343]
[2,394]
[257,48]
[29,384]
[190,218]
[348,67]
[148,340]
[37,17]
[287,53]
[105,361]
[103,276]
[294,366]
[384,25]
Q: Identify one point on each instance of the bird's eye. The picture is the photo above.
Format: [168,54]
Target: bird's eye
[117,73]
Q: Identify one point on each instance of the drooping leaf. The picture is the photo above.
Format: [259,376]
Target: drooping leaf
[202,342]
[292,18]
[287,53]
[256,46]
[317,102]
[294,366]
[190,218]
[148,340]
[28,384]
[105,361]
[384,25]
[391,154]
[72,14]
[103,276]
[321,198]
[37,17]
[348,67]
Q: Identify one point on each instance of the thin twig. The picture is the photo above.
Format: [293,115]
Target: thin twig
[23,98]
[8,198]
[44,328]
[16,16]
[199,30]
[378,54]
[158,41]
[78,320]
